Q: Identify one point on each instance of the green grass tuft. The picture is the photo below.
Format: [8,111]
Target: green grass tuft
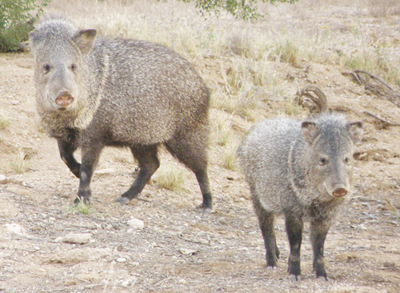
[80,208]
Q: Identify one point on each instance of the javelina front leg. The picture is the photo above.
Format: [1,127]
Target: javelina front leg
[294,229]
[148,164]
[90,158]
[319,230]
[204,184]
[67,150]
[266,222]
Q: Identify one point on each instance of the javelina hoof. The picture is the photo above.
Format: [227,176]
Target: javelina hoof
[206,213]
[320,272]
[269,268]
[294,278]
[123,200]
[206,210]
[78,200]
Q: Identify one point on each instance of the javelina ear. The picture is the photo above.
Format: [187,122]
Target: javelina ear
[84,39]
[309,130]
[355,131]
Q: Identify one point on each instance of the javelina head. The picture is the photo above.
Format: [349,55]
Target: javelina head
[331,141]
[58,49]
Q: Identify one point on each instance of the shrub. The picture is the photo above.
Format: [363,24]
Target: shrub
[16,21]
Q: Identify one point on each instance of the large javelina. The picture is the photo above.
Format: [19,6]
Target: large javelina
[303,170]
[94,92]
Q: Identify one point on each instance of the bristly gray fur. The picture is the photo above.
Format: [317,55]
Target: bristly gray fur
[125,92]
[294,168]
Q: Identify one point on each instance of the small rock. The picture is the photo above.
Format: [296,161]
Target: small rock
[105,171]
[75,238]
[126,283]
[136,224]
[121,259]
[187,251]
[15,228]
[29,185]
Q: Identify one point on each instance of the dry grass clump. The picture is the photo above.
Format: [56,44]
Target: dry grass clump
[18,162]
[285,51]
[228,157]
[172,179]
[222,130]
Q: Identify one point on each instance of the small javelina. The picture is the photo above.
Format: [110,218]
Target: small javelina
[303,170]
[94,92]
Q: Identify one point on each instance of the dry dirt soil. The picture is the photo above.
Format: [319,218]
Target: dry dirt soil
[177,250]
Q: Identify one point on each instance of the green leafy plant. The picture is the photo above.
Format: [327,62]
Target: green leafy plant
[246,10]
[16,21]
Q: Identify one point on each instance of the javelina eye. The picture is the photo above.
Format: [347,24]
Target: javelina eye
[74,67]
[347,160]
[46,68]
[323,161]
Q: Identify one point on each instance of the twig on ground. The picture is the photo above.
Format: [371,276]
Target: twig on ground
[381,88]
[381,119]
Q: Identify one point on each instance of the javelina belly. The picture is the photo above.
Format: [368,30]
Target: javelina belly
[303,170]
[94,92]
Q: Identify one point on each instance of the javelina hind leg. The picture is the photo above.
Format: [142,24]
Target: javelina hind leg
[266,222]
[90,158]
[67,150]
[319,230]
[294,229]
[191,151]
[147,158]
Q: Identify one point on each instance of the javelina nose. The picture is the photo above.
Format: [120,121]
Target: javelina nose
[339,192]
[64,99]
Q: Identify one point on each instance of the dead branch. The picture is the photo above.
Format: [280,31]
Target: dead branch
[316,95]
[382,120]
[379,88]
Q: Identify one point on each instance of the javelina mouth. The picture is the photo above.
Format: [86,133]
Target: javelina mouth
[340,192]
[64,101]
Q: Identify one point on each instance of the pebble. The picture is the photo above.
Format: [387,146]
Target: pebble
[15,228]
[187,251]
[136,224]
[105,171]
[121,259]
[75,238]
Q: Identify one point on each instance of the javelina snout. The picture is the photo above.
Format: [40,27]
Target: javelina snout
[64,99]
[303,170]
[340,192]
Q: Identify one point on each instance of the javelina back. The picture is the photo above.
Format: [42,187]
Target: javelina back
[303,170]
[94,92]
